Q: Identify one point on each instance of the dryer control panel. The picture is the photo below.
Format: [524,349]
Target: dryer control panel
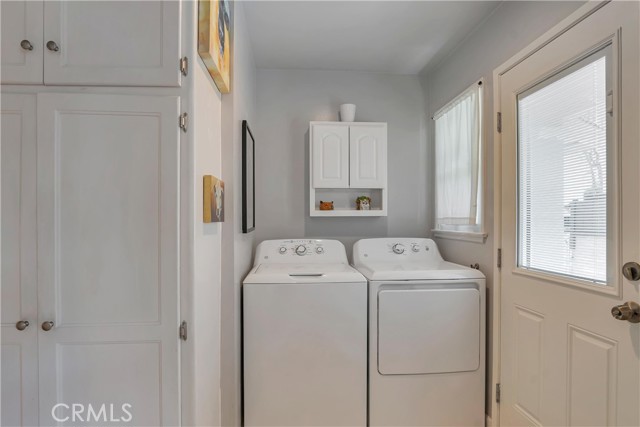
[293,251]
[398,249]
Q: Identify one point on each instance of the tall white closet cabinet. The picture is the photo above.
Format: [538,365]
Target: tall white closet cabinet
[90,211]
[348,160]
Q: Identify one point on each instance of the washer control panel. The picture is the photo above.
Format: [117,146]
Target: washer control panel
[301,250]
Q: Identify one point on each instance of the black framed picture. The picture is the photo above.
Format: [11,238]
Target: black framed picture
[248,179]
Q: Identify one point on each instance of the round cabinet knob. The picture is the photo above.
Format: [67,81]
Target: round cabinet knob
[282,250]
[319,250]
[26,45]
[47,326]
[415,248]
[52,46]
[301,250]
[398,248]
[22,325]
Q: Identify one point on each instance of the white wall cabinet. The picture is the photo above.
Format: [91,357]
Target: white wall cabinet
[330,155]
[98,43]
[106,193]
[368,156]
[348,160]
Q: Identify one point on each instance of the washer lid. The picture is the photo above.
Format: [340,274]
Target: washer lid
[304,273]
[408,270]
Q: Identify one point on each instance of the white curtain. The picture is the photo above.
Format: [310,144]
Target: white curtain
[457,159]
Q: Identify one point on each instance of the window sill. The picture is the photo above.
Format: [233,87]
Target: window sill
[466,236]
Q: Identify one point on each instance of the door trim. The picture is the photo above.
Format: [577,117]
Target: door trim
[558,30]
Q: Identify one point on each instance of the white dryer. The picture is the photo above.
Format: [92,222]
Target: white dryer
[426,335]
[305,336]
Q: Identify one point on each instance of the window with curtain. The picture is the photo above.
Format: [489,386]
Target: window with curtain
[458,181]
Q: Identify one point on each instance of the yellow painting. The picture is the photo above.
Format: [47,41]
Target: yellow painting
[214,40]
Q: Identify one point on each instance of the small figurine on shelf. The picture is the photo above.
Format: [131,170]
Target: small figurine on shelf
[363,203]
[326,206]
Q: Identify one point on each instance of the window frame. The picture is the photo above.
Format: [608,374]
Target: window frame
[606,49]
[476,233]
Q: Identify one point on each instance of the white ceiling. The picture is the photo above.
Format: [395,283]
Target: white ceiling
[380,36]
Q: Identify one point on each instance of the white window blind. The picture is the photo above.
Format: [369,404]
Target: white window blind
[457,162]
[562,173]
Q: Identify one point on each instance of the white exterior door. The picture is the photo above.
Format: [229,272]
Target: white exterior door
[22,46]
[368,156]
[19,279]
[108,202]
[127,43]
[330,156]
[570,209]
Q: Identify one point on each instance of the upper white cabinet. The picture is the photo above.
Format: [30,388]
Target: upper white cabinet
[22,42]
[100,43]
[348,160]
[330,155]
[368,156]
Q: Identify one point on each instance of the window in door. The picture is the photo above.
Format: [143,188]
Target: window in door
[562,172]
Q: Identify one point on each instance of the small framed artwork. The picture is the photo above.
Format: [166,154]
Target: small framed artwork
[213,199]
[214,40]
[248,179]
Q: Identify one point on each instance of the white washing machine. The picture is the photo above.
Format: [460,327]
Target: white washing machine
[426,335]
[305,336]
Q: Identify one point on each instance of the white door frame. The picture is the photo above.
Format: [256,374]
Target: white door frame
[579,15]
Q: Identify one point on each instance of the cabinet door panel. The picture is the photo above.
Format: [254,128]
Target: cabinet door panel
[330,156]
[19,288]
[21,20]
[368,156]
[108,253]
[111,43]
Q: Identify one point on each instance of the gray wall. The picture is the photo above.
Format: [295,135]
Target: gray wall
[287,100]
[510,28]
[237,248]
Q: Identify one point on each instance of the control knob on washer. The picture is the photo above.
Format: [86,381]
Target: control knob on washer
[398,248]
[301,249]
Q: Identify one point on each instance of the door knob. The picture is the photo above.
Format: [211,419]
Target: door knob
[22,325]
[629,311]
[26,45]
[631,271]
[52,46]
[47,326]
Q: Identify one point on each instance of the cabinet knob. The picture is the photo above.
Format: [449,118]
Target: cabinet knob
[52,46]
[26,45]
[47,326]
[22,325]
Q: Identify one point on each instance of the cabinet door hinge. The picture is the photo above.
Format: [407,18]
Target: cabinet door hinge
[182,331]
[182,122]
[499,122]
[498,391]
[184,65]
[499,260]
